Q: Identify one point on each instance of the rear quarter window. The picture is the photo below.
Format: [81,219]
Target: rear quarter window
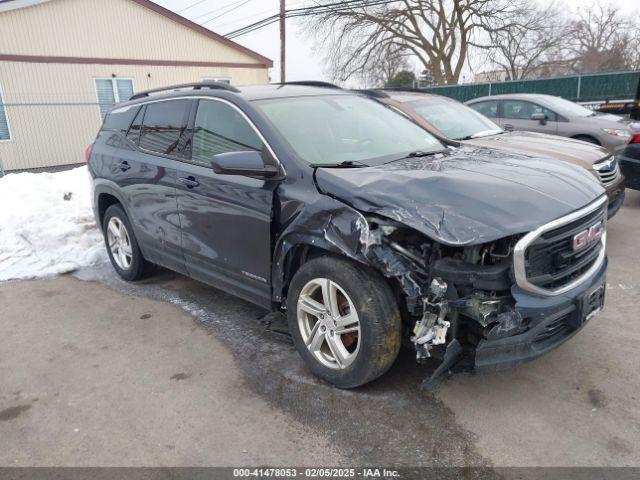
[120,119]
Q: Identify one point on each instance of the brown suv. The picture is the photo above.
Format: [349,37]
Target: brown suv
[449,119]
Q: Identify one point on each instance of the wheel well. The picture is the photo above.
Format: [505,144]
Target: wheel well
[296,257]
[587,138]
[105,200]
[300,254]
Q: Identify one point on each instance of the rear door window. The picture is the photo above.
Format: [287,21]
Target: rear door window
[488,108]
[220,128]
[164,127]
[522,110]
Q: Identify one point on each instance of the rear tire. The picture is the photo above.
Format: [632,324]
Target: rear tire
[122,246]
[358,337]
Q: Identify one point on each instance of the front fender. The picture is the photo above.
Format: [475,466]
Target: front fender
[327,224]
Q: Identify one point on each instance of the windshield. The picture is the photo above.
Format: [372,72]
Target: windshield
[567,108]
[453,119]
[333,129]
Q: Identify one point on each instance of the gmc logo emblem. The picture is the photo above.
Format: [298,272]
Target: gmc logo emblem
[585,237]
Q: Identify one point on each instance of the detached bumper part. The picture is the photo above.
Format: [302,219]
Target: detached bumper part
[551,322]
[631,170]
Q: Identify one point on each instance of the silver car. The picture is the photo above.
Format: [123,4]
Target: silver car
[554,115]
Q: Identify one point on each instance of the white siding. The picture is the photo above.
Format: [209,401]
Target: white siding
[53,108]
[107,29]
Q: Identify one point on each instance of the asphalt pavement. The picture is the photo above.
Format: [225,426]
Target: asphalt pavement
[170,372]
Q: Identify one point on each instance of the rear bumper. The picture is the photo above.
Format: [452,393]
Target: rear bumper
[552,321]
[631,170]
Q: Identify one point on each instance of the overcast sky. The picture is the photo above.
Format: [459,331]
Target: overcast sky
[303,61]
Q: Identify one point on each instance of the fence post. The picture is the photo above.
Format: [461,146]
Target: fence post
[579,87]
[489,88]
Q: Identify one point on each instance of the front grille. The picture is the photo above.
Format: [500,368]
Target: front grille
[550,261]
[607,170]
[545,261]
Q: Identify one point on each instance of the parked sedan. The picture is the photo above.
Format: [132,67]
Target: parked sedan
[450,119]
[554,115]
[629,158]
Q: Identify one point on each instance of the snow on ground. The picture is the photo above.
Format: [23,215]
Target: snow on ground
[47,225]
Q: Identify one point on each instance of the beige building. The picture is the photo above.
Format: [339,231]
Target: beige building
[64,63]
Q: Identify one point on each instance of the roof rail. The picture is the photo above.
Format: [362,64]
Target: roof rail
[311,83]
[404,89]
[372,93]
[195,86]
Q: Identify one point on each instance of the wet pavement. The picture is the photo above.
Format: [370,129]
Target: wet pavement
[388,422]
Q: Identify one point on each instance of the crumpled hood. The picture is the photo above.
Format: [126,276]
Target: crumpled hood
[466,196]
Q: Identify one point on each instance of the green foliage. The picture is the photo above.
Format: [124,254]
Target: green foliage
[404,78]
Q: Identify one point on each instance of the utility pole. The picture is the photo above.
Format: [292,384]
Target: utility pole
[282,43]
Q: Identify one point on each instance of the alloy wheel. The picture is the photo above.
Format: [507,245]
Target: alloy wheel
[329,323]
[119,243]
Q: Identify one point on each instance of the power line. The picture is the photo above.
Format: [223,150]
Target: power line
[306,11]
[215,10]
[259,14]
[293,13]
[228,11]
[192,5]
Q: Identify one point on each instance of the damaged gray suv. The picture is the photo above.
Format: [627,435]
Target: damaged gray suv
[364,228]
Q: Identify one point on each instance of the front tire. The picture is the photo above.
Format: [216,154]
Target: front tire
[587,138]
[122,246]
[344,320]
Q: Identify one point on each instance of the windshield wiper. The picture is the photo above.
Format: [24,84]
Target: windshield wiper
[420,153]
[483,133]
[417,154]
[345,164]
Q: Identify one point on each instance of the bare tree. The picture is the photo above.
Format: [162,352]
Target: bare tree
[384,67]
[439,33]
[532,44]
[602,39]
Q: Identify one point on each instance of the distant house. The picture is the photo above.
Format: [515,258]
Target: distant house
[64,63]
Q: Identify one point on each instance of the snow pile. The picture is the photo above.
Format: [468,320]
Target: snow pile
[47,226]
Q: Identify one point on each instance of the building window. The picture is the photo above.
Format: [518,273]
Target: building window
[221,80]
[112,91]
[5,134]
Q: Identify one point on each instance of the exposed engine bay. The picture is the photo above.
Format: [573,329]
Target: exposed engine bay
[454,296]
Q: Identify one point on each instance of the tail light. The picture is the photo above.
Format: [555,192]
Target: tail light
[87,153]
[634,129]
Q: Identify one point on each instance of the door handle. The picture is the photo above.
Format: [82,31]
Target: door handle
[189,182]
[508,127]
[124,166]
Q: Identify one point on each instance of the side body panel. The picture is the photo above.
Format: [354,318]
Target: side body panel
[226,231]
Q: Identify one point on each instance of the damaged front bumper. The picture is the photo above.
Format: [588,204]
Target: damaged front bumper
[550,322]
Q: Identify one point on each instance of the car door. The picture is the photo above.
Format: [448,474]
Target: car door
[516,115]
[147,176]
[225,219]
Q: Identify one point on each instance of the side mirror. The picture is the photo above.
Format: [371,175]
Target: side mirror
[247,163]
[541,117]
